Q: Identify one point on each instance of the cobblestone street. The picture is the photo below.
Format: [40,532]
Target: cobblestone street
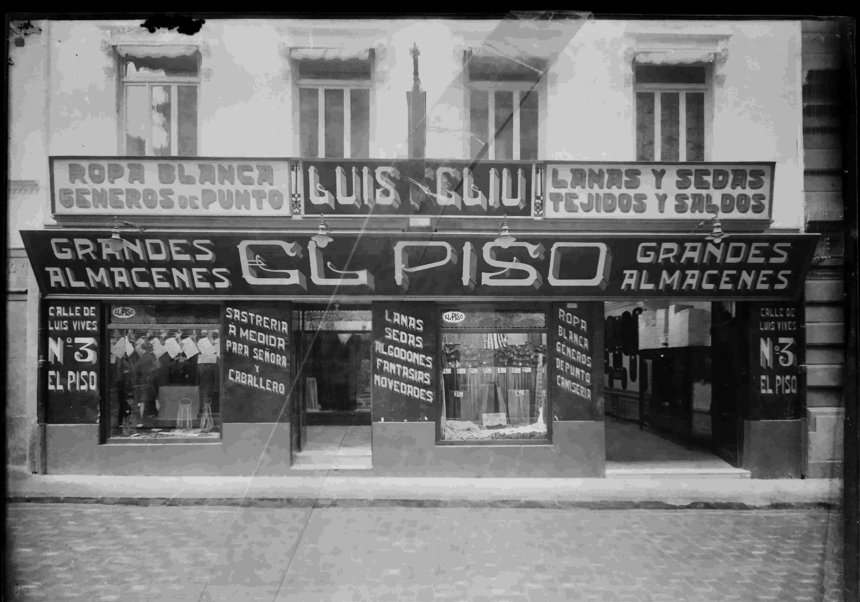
[133,553]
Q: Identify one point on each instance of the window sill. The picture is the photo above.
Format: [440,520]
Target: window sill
[162,441]
[496,442]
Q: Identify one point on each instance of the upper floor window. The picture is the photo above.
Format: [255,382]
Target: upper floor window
[670,112]
[504,112]
[159,100]
[334,102]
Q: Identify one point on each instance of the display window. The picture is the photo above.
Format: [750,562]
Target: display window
[494,375]
[164,371]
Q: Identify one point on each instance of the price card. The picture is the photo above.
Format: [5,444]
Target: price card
[502,370]
[516,370]
[189,348]
[473,370]
[488,370]
[173,348]
[205,346]
[157,348]
[527,369]
[118,348]
[446,370]
[461,370]
[494,419]
[458,394]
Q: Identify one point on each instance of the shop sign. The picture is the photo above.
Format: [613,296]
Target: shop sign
[573,361]
[256,352]
[123,313]
[165,186]
[73,374]
[392,188]
[659,191]
[414,265]
[404,353]
[453,317]
[776,358]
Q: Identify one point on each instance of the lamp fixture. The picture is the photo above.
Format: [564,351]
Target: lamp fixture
[717,235]
[321,238]
[505,239]
[116,242]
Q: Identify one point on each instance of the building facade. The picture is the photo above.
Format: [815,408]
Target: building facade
[478,239]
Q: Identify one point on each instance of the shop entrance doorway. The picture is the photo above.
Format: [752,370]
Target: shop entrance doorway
[331,411]
[670,393]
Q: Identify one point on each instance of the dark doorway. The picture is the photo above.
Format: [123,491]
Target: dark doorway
[332,409]
[336,373]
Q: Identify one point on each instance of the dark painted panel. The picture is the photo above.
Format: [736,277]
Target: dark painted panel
[576,360]
[256,347]
[73,370]
[776,355]
[404,362]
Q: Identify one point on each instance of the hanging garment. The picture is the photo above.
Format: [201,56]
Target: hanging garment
[453,395]
[518,406]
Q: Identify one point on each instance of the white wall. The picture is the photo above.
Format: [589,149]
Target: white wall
[28,98]
[247,94]
[758,111]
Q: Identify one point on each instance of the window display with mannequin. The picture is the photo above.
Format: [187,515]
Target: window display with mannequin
[164,371]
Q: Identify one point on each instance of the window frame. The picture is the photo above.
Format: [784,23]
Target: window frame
[107,436]
[441,330]
[682,90]
[517,88]
[148,81]
[321,85]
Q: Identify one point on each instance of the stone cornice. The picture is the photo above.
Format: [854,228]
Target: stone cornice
[23,186]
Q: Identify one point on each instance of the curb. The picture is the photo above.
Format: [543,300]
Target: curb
[415,503]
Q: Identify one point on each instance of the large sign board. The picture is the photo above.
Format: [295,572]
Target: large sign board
[257,187]
[73,370]
[169,186]
[659,191]
[396,188]
[403,265]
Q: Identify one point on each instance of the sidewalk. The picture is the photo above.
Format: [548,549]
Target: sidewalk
[333,489]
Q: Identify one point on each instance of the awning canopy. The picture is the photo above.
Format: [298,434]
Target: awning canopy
[330,54]
[674,57]
[155,52]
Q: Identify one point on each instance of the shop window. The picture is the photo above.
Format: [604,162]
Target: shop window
[164,374]
[670,112]
[334,102]
[159,100]
[504,113]
[494,373]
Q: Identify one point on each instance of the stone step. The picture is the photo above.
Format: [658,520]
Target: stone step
[679,472]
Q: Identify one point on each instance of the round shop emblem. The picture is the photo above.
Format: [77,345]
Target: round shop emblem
[453,317]
[123,313]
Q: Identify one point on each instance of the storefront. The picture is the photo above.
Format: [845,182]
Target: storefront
[191,350]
